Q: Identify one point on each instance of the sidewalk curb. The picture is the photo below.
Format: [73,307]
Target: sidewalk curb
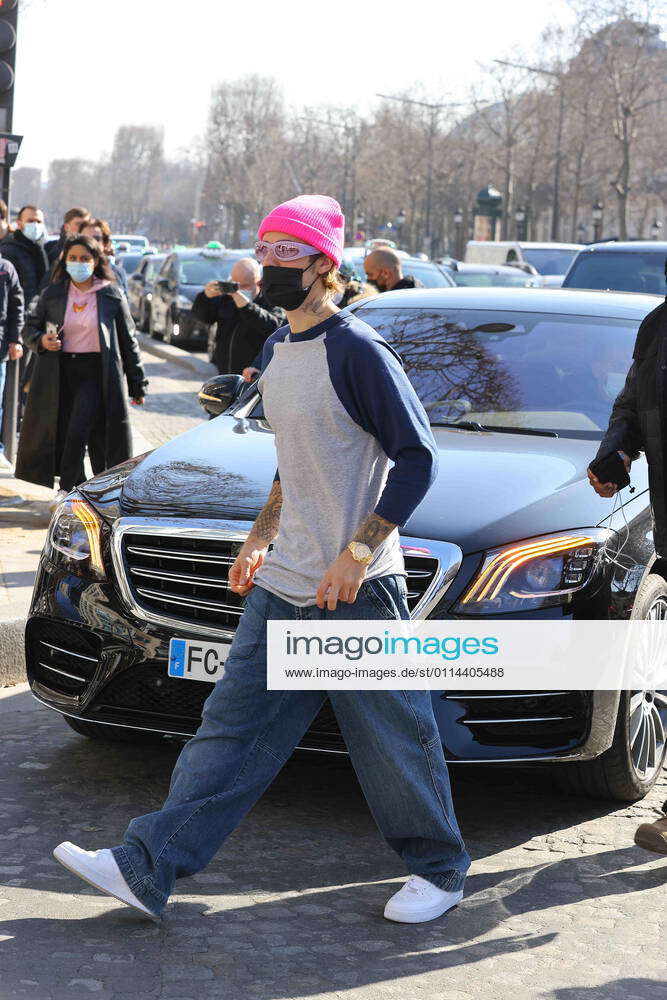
[176,355]
[12,651]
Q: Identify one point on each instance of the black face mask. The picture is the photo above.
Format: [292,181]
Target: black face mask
[282,286]
[381,287]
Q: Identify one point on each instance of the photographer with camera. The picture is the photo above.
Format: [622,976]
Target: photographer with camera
[243,318]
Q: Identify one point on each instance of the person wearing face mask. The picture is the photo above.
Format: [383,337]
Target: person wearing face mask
[100,231]
[25,249]
[384,270]
[73,219]
[82,336]
[355,457]
[243,319]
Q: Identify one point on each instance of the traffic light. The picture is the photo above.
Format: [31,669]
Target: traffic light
[9,10]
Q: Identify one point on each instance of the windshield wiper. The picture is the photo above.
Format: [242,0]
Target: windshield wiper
[472,425]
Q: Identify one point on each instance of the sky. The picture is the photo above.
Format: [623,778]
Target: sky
[84,67]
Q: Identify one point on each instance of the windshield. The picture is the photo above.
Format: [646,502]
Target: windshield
[133,241]
[199,271]
[129,261]
[622,272]
[549,261]
[429,275]
[542,371]
[480,279]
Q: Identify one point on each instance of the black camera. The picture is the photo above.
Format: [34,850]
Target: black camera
[228,286]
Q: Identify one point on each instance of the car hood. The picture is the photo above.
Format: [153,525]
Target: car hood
[491,487]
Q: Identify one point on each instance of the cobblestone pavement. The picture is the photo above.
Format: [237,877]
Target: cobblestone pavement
[559,905]
[171,405]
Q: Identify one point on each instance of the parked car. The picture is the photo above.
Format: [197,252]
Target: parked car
[551,260]
[515,386]
[133,240]
[633,266]
[430,274]
[129,261]
[485,275]
[140,288]
[181,278]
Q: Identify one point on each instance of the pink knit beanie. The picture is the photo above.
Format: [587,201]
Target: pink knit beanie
[314,219]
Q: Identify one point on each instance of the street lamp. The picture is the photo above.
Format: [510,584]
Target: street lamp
[520,217]
[597,213]
[400,222]
[655,229]
[581,232]
[458,233]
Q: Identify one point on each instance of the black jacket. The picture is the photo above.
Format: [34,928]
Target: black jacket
[11,307]
[29,259]
[37,460]
[637,421]
[407,281]
[241,332]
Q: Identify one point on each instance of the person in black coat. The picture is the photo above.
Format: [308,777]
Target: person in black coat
[11,324]
[244,319]
[72,222]
[82,335]
[25,249]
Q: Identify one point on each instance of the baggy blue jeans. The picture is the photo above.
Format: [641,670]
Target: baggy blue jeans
[248,733]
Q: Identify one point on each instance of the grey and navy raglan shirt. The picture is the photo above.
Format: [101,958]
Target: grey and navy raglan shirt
[342,410]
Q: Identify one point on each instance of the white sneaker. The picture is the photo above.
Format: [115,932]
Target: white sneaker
[100,870]
[420,900]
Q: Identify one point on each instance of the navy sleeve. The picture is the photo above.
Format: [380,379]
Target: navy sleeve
[370,382]
[267,351]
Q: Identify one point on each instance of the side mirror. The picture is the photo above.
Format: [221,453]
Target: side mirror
[218,394]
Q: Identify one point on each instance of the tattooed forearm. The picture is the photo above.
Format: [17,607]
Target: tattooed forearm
[373,531]
[265,527]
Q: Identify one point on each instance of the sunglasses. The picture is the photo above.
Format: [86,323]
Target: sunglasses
[283,250]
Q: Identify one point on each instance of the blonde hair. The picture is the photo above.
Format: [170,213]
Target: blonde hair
[332,282]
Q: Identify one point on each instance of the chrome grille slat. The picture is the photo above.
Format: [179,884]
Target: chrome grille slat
[181,554]
[534,718]
[67,652]
[158,574]
[188,602]
[63,673]
[418,574]
[493,697]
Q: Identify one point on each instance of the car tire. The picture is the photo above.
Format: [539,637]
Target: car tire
[145,318]
[168,335]
[623,773]
[151,328]
[110,734]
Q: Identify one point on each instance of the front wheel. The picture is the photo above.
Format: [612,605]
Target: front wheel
[168,336]
[631,766]
[151,327]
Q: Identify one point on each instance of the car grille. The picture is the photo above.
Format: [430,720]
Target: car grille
[62,657]
[180,578]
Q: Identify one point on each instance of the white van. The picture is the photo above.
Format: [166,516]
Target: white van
[552,260]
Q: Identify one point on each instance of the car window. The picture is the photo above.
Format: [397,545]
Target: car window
[548,261]
[543,371]
[623,272]
[200,271]
[429,275]
[130,261]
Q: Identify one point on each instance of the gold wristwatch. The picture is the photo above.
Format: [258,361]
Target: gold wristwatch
[360,552]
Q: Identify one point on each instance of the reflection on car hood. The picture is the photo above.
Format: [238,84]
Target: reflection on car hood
[491,487]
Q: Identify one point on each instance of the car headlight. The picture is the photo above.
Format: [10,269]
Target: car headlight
[183,302]
[536,573]
[75,538]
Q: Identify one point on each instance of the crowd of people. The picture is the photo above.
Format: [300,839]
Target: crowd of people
[65,301]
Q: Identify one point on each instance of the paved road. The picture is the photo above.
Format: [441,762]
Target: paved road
[559,905]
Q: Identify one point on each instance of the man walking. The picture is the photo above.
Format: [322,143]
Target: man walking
[638,423]
[244,319]
[342,410]
[384,269]
[25,249]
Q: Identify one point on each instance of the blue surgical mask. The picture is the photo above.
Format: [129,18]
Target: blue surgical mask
[613,383]
[34,231]
[79,271]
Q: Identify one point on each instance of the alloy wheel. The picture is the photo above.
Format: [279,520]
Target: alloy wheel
[648,715]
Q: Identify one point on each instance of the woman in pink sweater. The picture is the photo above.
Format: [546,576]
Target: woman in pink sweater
[83,336]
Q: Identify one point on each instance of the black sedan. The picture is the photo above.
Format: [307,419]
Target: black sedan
[632,266]
[518,386]
[140,288]
[180,280]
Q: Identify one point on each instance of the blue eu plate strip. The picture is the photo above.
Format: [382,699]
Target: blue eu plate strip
[177,658]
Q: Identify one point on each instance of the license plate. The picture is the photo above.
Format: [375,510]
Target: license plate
[193,660]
